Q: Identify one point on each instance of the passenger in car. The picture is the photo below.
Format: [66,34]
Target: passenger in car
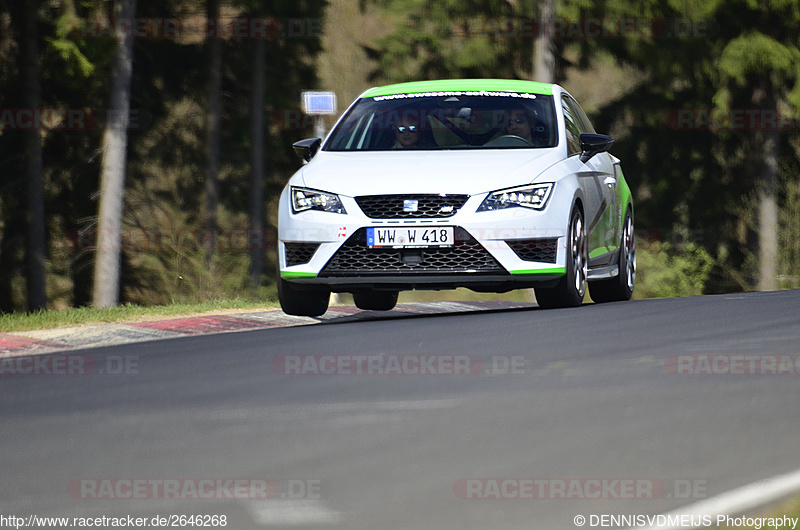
[406,133]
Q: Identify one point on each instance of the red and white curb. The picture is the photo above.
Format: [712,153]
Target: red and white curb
[98,335]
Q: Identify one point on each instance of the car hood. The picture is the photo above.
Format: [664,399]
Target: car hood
[452,171]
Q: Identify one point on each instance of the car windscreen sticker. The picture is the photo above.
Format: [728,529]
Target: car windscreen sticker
[455,93]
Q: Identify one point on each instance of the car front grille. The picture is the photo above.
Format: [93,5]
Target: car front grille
[543,250]
[299,253]
[410,206]
[467,255]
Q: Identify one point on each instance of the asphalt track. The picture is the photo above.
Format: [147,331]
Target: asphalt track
[599,394]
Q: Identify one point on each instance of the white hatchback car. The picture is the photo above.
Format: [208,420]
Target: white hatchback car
[487,184]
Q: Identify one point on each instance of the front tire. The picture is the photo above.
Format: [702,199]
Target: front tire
[375,301]
[620,288]
[308,302]
[570,290]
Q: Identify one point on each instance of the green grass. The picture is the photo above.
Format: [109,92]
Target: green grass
[20,321]
[23,321]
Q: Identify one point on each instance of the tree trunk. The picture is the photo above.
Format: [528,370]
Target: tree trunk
[212,143]
[257,233]
[767,152]
[112,176]
[768,213]
[36,244]
[543,56]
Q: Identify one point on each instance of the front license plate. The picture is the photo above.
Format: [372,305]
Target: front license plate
[410,237]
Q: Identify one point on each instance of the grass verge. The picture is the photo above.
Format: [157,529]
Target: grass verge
[22,321]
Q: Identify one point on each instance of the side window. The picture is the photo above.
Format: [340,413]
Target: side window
[578,111]
[572,126]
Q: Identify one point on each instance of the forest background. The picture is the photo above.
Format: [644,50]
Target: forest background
[190,109]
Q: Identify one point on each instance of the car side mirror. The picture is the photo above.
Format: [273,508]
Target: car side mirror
[592,144]
[306,149]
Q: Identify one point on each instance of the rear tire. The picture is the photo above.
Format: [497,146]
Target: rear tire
[375,300]
[570,290]
[302,302]
[619,288]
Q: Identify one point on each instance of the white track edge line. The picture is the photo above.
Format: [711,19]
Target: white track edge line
[738,500]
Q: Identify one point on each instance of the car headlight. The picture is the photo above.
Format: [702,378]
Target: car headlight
[532,196]
[304,199]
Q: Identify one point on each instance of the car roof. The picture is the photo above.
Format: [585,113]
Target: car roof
[459,85]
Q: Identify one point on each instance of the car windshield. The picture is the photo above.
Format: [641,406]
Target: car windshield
[436,122]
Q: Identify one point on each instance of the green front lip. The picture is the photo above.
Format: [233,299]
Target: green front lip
[552,271]
[470,85]
[288,275]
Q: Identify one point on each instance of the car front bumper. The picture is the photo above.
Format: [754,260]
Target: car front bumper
[494,251]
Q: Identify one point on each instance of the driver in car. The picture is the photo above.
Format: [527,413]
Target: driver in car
[518,124]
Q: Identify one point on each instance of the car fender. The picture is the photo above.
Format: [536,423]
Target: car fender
[566,193]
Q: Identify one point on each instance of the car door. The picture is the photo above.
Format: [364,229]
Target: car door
[599,184]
